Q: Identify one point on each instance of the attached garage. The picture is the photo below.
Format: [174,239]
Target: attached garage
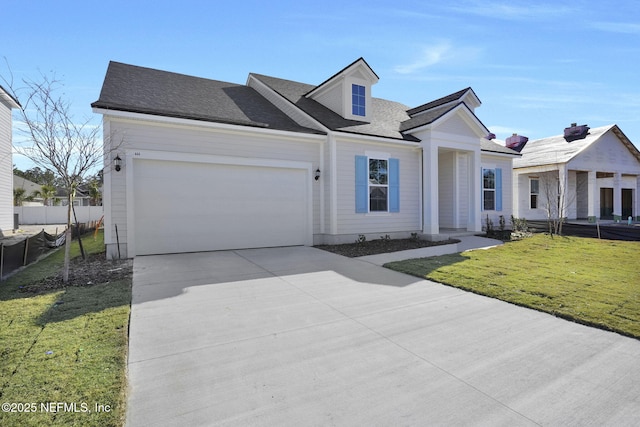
[218,203]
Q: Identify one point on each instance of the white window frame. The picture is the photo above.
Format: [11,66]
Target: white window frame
[531,193]
[373,185]
[484,189]
[348,102]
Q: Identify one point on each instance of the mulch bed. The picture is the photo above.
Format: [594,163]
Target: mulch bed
[96,269]
[382,246]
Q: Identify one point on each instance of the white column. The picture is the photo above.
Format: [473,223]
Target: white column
[430,221]
[636,196]
[593,197]
[563,181]
[475,192]
[617,196]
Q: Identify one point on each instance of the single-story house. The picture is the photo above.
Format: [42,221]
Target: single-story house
[581,174]
[7,104]
[194,164]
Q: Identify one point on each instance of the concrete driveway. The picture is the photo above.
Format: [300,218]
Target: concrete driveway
[298,336]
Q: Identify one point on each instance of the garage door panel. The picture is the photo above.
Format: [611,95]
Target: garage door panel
[186,207]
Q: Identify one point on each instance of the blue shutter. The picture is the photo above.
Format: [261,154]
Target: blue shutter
[362,178]
[498,189]
[481,189]
[394,185]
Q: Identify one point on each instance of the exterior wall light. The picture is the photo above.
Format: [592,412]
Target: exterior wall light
[317,174]
[118,163]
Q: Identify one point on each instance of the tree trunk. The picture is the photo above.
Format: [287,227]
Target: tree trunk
[67,255]
[67,243]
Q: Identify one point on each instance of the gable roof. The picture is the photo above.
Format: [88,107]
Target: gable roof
[453,98]
[556,149]
[360,62]
[144,90]
[137,89]
[387,116]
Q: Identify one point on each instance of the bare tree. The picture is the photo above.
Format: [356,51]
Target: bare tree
[557,199]
[55,141]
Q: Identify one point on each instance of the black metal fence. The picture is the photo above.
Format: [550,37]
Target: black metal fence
[609,231]
[22,253]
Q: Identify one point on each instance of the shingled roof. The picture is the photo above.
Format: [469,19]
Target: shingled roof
[387,116]
[145,90]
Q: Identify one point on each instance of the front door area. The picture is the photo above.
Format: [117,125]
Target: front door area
[606,203]
[627,203]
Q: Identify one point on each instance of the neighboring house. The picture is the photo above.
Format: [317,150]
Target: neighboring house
[29,188]
[193,164]
[599,168]
[7,104]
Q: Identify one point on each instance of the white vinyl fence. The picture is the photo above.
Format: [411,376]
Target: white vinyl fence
[31,215]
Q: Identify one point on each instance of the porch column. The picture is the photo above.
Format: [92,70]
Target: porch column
[617,196]
[563,180]
[430,212]
[593,197]
[636,196]
[475,192]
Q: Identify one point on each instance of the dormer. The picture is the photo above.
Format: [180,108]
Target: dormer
[468,96]
[348,92]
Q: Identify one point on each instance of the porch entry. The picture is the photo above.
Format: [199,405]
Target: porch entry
[606,203]
[627,203]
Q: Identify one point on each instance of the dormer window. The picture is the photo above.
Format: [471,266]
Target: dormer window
[358,100]
[348,92]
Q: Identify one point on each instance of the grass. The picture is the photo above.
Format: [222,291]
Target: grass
[590,281]
[66,346]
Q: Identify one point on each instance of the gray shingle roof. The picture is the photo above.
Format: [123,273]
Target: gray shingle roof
[386,120]
[494,147]
[440,101]
[145,90]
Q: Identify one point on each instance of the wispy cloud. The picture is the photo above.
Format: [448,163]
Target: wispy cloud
[438,53]
[508,10]
[506,131]
[617,27]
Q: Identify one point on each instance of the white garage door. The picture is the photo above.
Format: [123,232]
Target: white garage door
[189,207]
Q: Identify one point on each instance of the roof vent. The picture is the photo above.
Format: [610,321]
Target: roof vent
[490,136]
[574,132]
[516,142]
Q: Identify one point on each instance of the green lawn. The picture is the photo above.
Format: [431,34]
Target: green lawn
[63,352]
[591,281]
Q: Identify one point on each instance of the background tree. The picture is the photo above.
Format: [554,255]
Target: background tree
[36,175]
[19,196]
[95,194]
[55,141]
[47,193]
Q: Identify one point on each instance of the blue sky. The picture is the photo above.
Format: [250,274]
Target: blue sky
[536,66]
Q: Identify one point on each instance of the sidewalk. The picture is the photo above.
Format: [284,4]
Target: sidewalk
[466,243]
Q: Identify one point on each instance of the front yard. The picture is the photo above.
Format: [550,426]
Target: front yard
[591,281]
[63,349]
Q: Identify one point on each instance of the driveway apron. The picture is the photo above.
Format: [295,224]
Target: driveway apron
[298,336]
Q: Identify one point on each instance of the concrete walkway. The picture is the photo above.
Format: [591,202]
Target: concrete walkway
[466,243]
[298,336]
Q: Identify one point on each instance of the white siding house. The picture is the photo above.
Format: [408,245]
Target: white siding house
[590,173]
[7,104]
[210,165]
